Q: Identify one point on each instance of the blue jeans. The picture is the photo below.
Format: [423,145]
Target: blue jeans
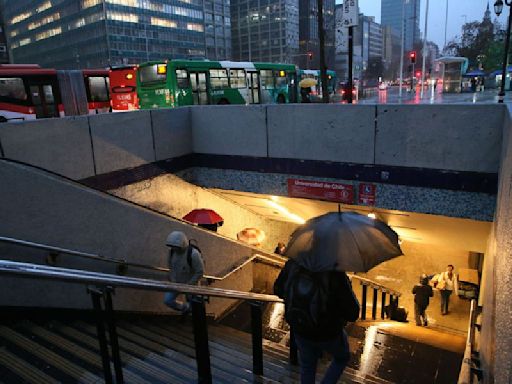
[445,299]
[310,351]
[170,301]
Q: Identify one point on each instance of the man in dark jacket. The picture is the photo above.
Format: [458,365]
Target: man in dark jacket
[342,306]
[422,293]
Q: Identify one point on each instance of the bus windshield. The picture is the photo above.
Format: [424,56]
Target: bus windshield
[151,74]
[99,88]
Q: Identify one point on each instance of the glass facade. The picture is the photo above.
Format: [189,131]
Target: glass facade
[391,14]
[265,30]
[308,31]
[98,33]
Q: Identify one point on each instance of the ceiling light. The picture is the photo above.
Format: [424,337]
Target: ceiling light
[285,212]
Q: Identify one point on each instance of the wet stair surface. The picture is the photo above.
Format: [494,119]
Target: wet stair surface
[153,350]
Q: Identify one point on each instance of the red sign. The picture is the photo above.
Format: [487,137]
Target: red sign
[321,190]
[367,194]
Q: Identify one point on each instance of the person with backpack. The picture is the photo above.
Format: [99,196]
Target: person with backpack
[422,294]
[317,308]
[186,267]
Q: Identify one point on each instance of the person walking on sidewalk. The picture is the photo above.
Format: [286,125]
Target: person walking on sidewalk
[446,283]
[422,293]
[186,267]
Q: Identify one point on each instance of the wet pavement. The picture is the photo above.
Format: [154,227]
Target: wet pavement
[405,353]
[389,350]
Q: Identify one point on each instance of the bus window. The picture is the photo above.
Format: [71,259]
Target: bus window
[219,78]
[152,74]
[281,79]
[267,79]
[99,88]
[182,79]
[237,78]
[13,88]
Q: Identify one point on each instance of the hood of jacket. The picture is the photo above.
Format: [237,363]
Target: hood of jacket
[177,239]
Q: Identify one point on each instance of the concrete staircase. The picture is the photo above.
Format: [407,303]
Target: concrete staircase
[153,350]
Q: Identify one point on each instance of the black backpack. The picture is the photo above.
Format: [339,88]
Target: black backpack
[191,247]
[306,301]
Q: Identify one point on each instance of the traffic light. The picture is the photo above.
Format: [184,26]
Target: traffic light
[418,74]
[310,55]
[412,56]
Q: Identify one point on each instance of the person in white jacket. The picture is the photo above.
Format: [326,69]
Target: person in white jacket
[446,283]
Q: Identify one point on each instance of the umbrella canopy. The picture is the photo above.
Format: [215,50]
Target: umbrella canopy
[343,241]
[306,83]
[251,236]
[203,216]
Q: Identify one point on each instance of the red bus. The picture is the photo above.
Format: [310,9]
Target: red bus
[123,88]
[29,92]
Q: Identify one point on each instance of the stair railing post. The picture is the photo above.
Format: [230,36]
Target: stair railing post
[114,342]
[96,295]
[257,337]
[374,304]
[200,327]
[363,302]
[382,304]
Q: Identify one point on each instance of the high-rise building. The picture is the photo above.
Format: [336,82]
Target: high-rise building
[265,30]
[308,33]
[391,15]
[4,52]
[98,33]
[282,31]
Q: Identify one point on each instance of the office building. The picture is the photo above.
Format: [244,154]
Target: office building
[265,30]
[98,33]
[308,33]
[391,15]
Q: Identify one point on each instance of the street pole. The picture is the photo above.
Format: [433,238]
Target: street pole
[402,51]
[501,95]
[424,54]
[323,67]
[445,25]
[350,64]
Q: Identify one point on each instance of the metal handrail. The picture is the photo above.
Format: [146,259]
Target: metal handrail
[106,279]
[467,362]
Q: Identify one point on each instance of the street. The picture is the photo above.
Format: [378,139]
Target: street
[390,96]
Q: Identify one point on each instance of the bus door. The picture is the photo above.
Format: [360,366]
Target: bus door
[254,87]
[43,99]
[199,87]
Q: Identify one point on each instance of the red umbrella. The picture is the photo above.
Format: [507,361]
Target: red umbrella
[251,236]
[203,216]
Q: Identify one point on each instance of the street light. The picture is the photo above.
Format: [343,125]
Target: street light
[498,8]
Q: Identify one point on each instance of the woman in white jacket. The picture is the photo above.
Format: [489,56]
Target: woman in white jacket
[446,283]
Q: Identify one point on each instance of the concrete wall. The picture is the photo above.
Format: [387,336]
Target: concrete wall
[343,133]
[451,137]
[40,207]
[496,338]
[446,137]
[174,196]
[85,146]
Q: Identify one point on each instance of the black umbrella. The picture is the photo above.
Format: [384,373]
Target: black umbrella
[344,241]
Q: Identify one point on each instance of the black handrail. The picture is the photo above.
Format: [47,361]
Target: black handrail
[106,283]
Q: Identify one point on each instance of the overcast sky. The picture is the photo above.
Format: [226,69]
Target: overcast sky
[458,12]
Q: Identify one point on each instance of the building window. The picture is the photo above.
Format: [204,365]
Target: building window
[48,33]
[90,3]
[121,16]
[163,22]
[195,27]
[20,17]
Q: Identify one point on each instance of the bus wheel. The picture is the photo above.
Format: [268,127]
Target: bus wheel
[3,119]
[223,102]
[281,99]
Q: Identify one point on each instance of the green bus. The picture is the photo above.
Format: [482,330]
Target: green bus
[316,92]
[175,83]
